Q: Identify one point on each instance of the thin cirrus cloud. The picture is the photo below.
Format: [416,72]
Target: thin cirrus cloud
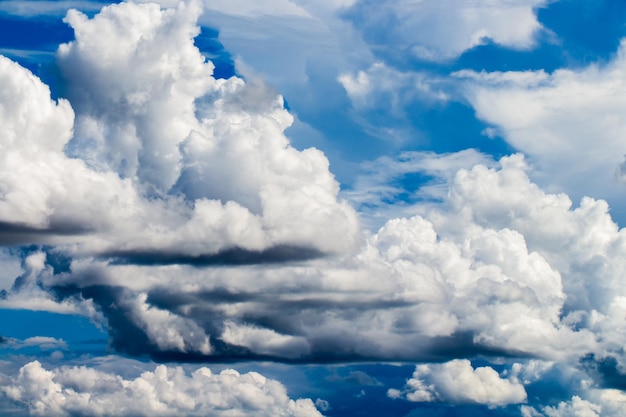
[169,207]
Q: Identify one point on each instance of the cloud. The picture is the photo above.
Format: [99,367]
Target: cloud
[576,407]
[194,231]
[29,8]
[570,127]
[380,86]
[41,342]
[259,8]
[165,391]
[391,187]
[458,382]
[497,268]
[178,158]
[441,30]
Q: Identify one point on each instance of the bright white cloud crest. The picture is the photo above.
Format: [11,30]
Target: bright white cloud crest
[457,382]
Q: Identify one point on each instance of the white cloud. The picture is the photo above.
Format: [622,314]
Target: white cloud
[257,8]
[10,267]
[265,341]
[162,154]
[440,30]
[376,191]
[381,86]
[499,262]
[166,160]
[42,342]
[591,402]
[30,8]
[569,123]
[458,382]
[576,407]
[166,391]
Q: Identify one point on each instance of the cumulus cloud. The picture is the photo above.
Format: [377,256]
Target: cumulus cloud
[497,268]
[588,402]
[576,407]
[161,154]
[570,127]
[458,382]
[166,391]
[194,230]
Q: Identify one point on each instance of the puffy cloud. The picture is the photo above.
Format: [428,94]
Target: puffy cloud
[162,154]
[458,382]
[498,268]
[166,173]
[571,125]
[166,391]
[577,407]
[591,402]
[489,271]
[439,30]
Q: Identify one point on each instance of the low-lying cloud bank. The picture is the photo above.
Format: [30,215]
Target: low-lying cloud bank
[167,391]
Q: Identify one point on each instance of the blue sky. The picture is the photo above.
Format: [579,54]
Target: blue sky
[305,208]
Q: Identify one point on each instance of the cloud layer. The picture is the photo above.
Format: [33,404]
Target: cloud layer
[169,206]
[69,391]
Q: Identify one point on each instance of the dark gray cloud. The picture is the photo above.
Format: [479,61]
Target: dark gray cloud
[233,256]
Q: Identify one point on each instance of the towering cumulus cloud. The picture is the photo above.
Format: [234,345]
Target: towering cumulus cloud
[162,155]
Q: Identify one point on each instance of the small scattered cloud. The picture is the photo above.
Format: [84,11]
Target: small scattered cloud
[458,382]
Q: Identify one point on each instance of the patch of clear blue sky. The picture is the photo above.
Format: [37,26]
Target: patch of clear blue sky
[80,335]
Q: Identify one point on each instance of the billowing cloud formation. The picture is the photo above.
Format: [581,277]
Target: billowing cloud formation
[169,205]
[162,154]
[571,126]
[500,268]
[69,391]
[436,30]
[457,382]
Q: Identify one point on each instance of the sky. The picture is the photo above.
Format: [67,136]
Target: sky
[313,208]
